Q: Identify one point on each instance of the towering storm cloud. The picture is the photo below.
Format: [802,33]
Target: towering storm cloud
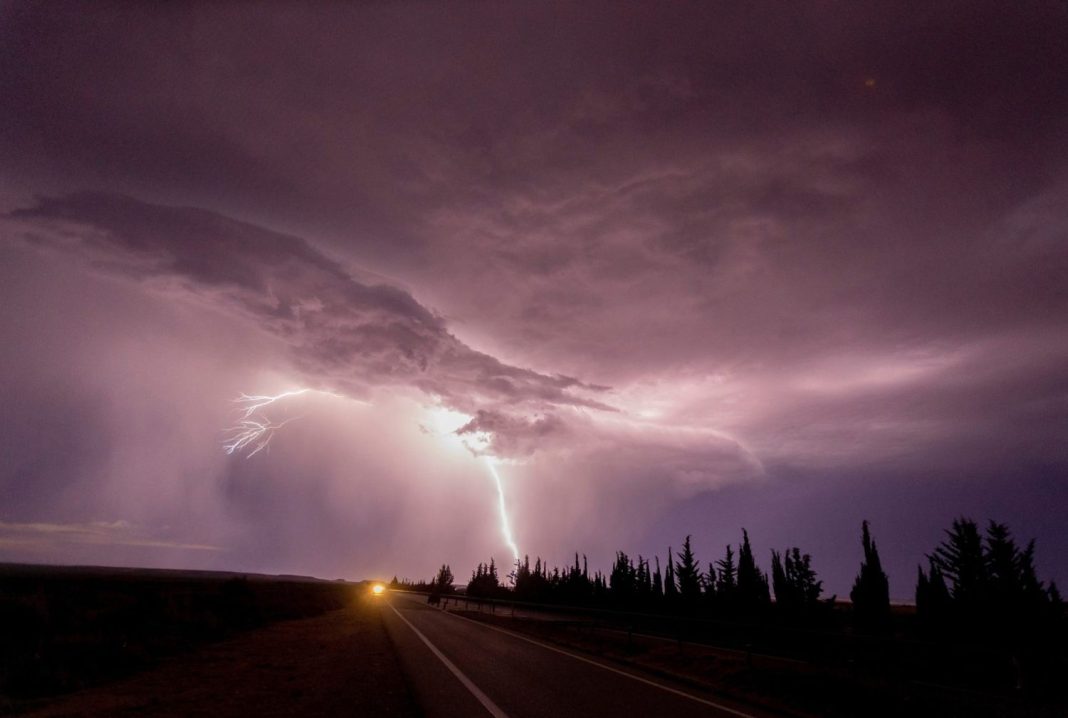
[679,269]
[342,332]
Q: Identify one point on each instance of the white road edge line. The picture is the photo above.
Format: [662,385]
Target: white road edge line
[488,704]
[661,686]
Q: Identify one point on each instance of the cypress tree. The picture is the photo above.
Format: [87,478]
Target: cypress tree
[806,588]
[1055,599]
[932,598]
[960,559]
[689,574]
[753,591]
[642,581]
[727,580]
[1031,588]
[993,586]
[783,596]
[871,589]
[622,579]
[710,583]
[670,589]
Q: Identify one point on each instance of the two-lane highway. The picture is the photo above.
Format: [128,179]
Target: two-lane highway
[459,667]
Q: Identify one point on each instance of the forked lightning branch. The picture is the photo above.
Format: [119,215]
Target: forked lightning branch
[254,430]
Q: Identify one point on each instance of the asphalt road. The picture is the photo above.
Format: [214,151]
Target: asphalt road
[458,667]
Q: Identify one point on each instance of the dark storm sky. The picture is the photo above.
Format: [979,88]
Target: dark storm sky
[674,268]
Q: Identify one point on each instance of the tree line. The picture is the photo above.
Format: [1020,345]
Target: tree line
[972,579]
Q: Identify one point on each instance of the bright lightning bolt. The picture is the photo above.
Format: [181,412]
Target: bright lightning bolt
[251,403]
[252,432]
[254,429]
[506,527]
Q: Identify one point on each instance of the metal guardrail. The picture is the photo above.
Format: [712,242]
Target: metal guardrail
[677,625]
[753,638]
[835,650]
[591,611]
[690,621]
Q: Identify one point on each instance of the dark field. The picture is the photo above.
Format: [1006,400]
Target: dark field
[66,629]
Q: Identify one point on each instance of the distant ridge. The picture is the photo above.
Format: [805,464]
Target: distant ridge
[35,569]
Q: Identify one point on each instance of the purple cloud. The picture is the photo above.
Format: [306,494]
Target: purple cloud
[817,253]
[343,333]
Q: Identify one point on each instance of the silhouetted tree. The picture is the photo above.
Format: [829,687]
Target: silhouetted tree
[622,579]
[994,597]
[778,580]
[600,586]
[688,575]
[752,591]
[643,583]
[576,586]
[932,598]
[800,573]
[671,590]
[658,582]
[727,578]
[1003,564]
[710,584]
[1055,597]
[442,583]
[960,559]
[529,584]
[993,585]
[1031,592]
[871,589]
[796,588]
[484,581]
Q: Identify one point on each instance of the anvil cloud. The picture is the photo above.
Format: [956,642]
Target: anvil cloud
[683,268]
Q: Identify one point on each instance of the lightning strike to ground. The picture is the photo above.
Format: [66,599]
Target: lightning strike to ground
[506,527]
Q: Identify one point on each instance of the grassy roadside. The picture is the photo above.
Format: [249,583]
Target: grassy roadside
[783,686]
